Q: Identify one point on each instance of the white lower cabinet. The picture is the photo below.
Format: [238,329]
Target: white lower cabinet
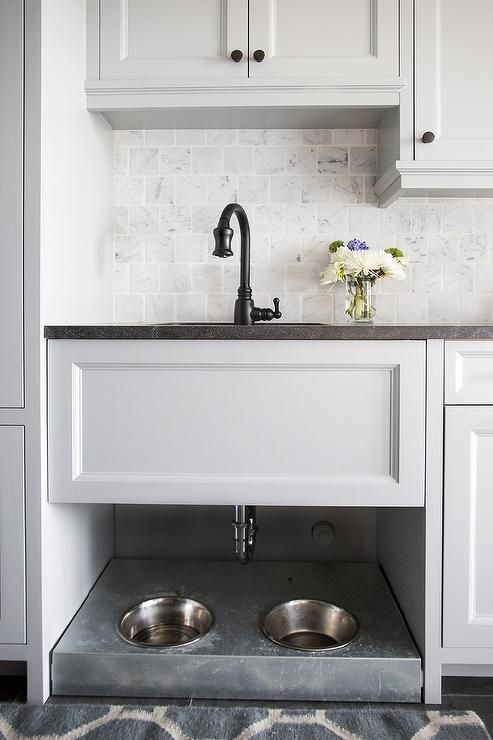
[468,541]
[222,422]
[12,544]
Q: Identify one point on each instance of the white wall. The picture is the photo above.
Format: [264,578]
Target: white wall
[76,177]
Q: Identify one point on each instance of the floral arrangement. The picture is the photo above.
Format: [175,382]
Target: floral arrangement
[360,267]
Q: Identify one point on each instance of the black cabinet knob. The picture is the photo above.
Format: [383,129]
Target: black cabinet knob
[259,55]
[428,137]
[236,55]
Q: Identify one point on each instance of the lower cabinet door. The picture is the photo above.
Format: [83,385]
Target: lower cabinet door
[468,541]
[12,537]
[286,423]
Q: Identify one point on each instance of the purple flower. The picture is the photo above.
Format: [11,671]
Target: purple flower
[355,244]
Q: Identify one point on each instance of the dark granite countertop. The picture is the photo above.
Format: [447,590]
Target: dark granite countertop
[270,331]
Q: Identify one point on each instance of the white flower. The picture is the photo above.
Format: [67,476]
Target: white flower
[391,266]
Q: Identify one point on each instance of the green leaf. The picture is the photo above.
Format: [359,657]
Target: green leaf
[334,246]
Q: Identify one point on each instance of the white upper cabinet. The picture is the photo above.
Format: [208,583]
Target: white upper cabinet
[11,205]
[151,40]
[454,63]
[320,39]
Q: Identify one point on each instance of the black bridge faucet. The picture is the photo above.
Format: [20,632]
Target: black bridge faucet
[246,312]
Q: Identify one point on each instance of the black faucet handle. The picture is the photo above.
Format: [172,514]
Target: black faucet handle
[277,313]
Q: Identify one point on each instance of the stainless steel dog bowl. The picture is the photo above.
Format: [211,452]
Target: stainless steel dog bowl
[165,621]
[309,624]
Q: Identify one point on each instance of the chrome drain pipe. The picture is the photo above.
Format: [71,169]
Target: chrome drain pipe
[245,530]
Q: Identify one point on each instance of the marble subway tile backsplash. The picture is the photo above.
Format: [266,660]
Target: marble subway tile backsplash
[301,189]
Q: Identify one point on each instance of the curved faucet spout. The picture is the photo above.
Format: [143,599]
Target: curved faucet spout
[245,530]
[223,235]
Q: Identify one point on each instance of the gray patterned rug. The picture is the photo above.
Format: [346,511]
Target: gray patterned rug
[111,722]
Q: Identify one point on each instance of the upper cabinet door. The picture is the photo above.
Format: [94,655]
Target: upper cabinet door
[322,39]
[454,63]
[11,204]
[173,39]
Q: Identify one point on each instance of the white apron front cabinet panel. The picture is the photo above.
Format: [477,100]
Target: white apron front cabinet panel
[453,80]
[468,544]
[12,546]
[267,423]
[180,40]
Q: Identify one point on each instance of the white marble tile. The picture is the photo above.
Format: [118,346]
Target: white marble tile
[175,219]
[144,161]
[220,306]
[121,278]
[317,188]
[207,278]
[144,278]
[121,219]
[238,160]
[333,219]
[128,138]
[129,191]
[286,248]
[385,307]
[368,186]
[160,137]
[270,279]
[254,136]
[207,160]
[222,189]
[301,219]
[160,308]
[333,160]
[443,308]
[260,248]
[302,278]
[412,308]
[120,161]
[222,136]
[315,249]
[349,136]
[205,218]
[290,305]
[484,278]
[348,189]
[191,137]
[175,161]
[159,190]
[285,136]
[396,218]
[129,307]
[318,308]
[414,247]
[476,308]
[427,278]
[458,278]
[285,189]
[129,249]
[191,189]
[457,217]
[253,189]
[443,248]
[363,160]
[318,136]
[483,217]
[269,161]
[143,219]
[191,307]
[191,248]
[364,220]
[231,276]
[474,248]
[270,219]
[176,278]
[301,160]
[371,136]
[160,248]
[426,219]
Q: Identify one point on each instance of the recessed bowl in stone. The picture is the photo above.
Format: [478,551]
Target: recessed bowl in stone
[309,624]
[165,621]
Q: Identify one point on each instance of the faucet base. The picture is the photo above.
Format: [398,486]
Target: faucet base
[243,311]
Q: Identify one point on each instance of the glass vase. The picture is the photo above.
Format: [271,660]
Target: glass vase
[358,301]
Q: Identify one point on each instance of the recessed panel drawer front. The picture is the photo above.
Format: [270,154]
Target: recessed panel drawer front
[285,423]
[469,372]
